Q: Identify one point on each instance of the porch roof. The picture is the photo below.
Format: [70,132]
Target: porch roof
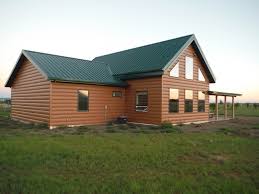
[216,93]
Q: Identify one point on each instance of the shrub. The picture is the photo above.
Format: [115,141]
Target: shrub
[167,127]
[83,128]
[110,130]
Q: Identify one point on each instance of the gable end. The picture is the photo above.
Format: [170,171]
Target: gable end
[193,41]
[23,56]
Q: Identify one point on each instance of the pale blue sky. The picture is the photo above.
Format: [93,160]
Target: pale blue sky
[226,30]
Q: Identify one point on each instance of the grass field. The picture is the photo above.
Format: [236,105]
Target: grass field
[220,157]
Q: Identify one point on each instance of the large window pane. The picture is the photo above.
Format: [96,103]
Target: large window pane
[201,106]
[188,68]
[200,76]
[175,71]
[142,101]
[174,100]
[201,101]
[188,103]
[188,94]
[83,101]
[201,95]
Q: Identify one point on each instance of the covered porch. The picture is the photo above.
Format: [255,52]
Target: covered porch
[214,116]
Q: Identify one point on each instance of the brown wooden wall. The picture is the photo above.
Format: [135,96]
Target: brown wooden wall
[64,107]
[30,95]
[34,99]
[181,83]
[154,88]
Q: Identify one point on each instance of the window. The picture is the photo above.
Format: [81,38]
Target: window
[116,94]
[201,102]
[200,76]
[174,100]
[188,68]
[142,101]
[83,100]
[188,103]
[175,71]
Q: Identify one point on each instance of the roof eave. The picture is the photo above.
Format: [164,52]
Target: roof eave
[15,69]
[88,82]
[140,75]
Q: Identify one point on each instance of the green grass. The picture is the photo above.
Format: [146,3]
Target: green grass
[241,110]
[122,160]
[4,110]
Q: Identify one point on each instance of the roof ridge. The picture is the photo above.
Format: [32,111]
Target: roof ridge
[56,55]
[144,45]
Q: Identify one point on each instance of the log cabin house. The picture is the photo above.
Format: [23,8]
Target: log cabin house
[165,81]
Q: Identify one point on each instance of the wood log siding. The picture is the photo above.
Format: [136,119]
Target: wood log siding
[154,87]
[64,104]
[30,95]
[184,84]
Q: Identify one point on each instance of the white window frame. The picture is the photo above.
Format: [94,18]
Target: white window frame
[141,108]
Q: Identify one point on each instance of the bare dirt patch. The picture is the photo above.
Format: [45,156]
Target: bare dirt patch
[244,126]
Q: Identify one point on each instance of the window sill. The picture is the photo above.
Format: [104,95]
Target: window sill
[141,110]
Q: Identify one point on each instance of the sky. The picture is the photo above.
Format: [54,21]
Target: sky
[226,30]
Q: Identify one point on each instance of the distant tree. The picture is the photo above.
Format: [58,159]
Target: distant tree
[255,105]
[247,105]
[7,101]
[221,102]
[237,105]
[212,106]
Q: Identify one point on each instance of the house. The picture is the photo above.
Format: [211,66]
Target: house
[164,81]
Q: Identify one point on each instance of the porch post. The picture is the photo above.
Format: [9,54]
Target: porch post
[216,107]
[233,107]
[225,107]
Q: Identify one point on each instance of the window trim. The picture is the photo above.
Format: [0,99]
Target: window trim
[146,110]
[78,92]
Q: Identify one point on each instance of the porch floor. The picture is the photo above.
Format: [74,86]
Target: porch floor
[220,118]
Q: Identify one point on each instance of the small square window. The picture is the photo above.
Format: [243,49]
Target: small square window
[116,94]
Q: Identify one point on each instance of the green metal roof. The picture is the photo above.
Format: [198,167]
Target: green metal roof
[112,69]
[60,68]
[151,58]
[145,58]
